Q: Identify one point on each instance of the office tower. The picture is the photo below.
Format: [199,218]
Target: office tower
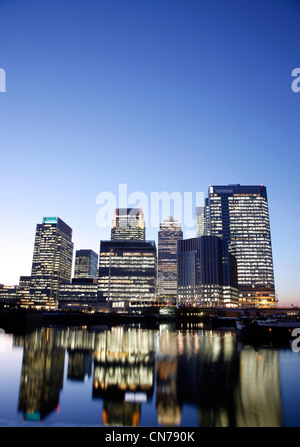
[86,263]
[80,293]
[127,272]
[169,234]
[230,277]
[9,296]
[23,293]
[200,272]
[201,220]
[240,215]
[128,225]
[52,261]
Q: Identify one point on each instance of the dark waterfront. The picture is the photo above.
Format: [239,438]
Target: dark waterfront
[129,375]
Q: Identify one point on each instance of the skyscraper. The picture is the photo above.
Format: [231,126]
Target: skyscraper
[127,272]
[240,216]
[86,263]
[52,261]
[201,273]
[201,220]
[81,292]
[169,234]
[128,225]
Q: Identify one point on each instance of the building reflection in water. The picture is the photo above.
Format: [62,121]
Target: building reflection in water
[42,373]
[124,373]
[226,384]
[80,344]
[206,372]
[259,398]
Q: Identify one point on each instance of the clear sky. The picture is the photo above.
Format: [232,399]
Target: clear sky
[160,95]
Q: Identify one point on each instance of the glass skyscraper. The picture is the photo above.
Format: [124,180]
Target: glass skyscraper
[86,264]
[240,216]
[201,279]
[52,261]
[81,292]
[127,272]
[128,225]
[201,220]
[169,234]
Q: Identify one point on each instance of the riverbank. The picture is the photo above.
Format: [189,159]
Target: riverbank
[25,320]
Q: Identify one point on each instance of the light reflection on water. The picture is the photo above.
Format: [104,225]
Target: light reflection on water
[133,376]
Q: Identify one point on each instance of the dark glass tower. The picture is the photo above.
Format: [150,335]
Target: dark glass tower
[168,236]
[240,216]
[201,273]
[128,225]
[52,261]
[86,264]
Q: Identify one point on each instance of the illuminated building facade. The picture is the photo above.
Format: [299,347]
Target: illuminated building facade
[86,264]
[240,216]
[127,272]
[81,292]
[201,273]
[52,261]
[128,225]
[169,234]
[8,295]
[230,278]
[24,290]
[201,220]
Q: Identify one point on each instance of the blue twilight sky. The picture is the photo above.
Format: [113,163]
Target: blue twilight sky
[159,95]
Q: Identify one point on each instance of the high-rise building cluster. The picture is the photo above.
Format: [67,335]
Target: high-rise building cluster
[228,262]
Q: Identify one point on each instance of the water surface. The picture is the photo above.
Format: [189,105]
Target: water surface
[135,376]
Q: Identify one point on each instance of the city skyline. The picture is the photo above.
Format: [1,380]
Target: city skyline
[228,261]
[161,96]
